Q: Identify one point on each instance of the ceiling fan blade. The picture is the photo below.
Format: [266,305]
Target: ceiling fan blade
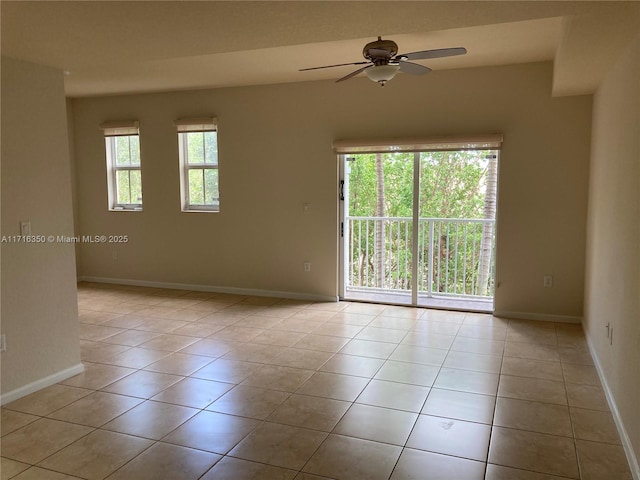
[439,53]
[413,68]
[331,66]
[353,74]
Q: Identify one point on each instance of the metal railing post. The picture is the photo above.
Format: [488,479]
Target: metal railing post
[430,267]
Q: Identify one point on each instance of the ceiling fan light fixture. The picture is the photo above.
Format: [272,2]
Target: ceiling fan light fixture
[382,73]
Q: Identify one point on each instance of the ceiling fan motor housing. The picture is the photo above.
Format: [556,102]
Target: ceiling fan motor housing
[380,51]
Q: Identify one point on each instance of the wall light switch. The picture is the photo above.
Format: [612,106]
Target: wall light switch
[25,229]
[548,281]
[307,266]
[306,208]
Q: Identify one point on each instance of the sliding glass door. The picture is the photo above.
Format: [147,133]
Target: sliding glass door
[418,228]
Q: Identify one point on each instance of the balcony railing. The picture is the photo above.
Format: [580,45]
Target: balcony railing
[454,256]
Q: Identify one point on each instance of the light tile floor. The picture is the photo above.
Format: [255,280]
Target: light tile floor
[187,385]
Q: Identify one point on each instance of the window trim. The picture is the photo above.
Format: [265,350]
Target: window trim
[111,130]
[194,125]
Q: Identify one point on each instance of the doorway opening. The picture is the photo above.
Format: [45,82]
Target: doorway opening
[418,227]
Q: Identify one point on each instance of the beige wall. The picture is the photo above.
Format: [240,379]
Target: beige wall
[275,153]
[613,253]
[39,308]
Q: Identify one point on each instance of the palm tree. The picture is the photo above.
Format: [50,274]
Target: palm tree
[379,253]
[486,244]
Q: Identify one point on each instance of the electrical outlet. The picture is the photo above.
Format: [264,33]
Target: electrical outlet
[547,281]
[3,343]
[306,266]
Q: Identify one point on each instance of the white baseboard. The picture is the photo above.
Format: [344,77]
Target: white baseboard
[41,383]
[624,436]
[542,317]
[210,288]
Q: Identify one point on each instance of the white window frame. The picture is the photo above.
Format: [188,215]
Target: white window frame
[111,131]
[183,127]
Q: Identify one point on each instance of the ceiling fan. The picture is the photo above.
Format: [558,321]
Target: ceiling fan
[383,62]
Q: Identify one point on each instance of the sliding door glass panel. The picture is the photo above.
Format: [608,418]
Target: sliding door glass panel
[456,224]
[379,227]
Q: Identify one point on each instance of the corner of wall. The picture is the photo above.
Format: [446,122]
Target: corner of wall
[612,280]
[39,298]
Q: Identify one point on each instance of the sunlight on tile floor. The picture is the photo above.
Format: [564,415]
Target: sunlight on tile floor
[190,385]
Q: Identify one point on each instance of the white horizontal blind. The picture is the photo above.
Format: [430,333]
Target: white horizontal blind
[201,124]
[120,128]
[468,142]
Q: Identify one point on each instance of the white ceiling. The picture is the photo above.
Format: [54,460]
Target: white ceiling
[125,47]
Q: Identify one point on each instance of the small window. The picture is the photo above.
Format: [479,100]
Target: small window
[124,175]
[199,177]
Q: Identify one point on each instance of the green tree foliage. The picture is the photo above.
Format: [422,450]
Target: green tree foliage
[363,187]
[451,184]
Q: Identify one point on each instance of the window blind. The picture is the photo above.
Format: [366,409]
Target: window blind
[201,124]
[468,142]
[120,128]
